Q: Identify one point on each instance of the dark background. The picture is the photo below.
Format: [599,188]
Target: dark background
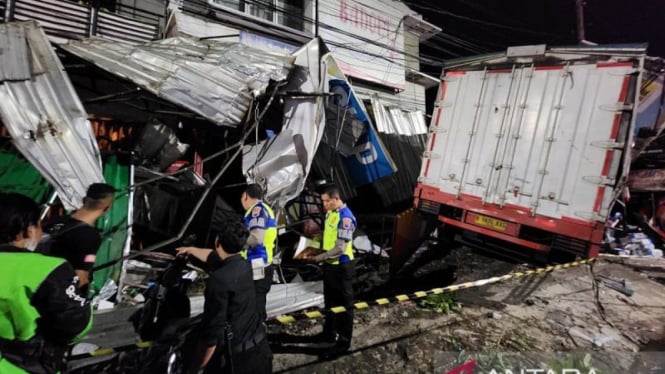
[476,26]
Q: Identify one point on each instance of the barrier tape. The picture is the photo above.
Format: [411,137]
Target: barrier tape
[319,313]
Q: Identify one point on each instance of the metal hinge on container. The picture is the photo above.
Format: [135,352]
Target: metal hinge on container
[437,129]
[617,107]
[431,155]
[443,104]
[607,144]
[600,180]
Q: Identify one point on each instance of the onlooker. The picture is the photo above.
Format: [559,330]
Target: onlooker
[338,270]
[77,239]
[40,311]
[233,337]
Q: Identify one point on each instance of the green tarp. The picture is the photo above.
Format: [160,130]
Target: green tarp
[113,224]
[18,175]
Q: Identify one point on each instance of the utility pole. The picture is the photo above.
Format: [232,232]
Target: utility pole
[316,18]
[579,7]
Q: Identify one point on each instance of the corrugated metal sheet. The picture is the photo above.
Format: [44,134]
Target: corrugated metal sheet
[283,162]
[73,19]
[13,56]
[180,24]
[43,114]
[114,27]
[212,78]
[404,133]
[3,8]
[411,99]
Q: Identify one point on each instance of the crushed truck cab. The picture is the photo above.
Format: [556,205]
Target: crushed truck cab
[529,149]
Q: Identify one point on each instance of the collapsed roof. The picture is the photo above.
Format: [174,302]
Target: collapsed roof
[217,80]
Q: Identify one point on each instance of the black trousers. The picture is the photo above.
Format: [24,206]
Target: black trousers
[338,291]
[262,287]
[257,360]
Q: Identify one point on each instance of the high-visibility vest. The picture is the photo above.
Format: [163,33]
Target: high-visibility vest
[336,221]
[21,276]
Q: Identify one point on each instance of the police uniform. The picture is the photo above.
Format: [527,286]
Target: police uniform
[261,217]
[231,323]
[42,314]
[258,217]
[338,275]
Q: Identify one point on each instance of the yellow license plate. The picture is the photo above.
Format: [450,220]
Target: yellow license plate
[492,223]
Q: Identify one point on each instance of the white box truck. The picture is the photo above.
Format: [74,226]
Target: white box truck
[529,149]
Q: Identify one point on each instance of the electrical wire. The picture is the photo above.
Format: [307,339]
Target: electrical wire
[475,20]
[430,60]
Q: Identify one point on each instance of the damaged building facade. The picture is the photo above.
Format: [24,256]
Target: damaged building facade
[179,104]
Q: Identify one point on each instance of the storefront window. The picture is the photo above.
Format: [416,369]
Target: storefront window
[287,13]
[261,8]
[291,13]
[233,4]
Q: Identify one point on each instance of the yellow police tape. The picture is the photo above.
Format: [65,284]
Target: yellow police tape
[290,318]
[319,313]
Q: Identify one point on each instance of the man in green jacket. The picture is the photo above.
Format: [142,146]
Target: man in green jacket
[41,313]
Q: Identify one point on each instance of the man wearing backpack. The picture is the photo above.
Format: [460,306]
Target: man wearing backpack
[76,239]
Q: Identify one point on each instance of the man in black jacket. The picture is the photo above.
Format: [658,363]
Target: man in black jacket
[233,336]
[40,311]
[77,238]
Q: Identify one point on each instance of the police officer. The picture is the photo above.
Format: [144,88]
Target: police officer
[233,336]
[41,313]
[338,270]
[260,220]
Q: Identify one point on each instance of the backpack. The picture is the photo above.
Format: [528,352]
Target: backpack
[47,240]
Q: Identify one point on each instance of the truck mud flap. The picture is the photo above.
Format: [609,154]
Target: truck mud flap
[411,230]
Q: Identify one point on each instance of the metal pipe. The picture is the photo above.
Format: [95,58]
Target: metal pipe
[316,18]
[184,228]
[219,36]
[112,96]
[50,202]
[215,155]
[128,242]
[579,11]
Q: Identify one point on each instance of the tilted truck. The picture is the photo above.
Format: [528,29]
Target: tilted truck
[529,149]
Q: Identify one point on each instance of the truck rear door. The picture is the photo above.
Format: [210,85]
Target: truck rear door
[547,139]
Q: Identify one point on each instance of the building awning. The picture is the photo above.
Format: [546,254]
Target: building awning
[423,29]
[215,79]
[43,114]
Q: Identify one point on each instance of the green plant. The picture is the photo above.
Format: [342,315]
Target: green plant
[441,303]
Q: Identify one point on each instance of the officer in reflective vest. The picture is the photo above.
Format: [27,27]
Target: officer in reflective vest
[338,270]
[260,221]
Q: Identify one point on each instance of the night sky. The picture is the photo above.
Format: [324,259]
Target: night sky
[490,25]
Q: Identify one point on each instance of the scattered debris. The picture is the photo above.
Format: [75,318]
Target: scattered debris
[486,327]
